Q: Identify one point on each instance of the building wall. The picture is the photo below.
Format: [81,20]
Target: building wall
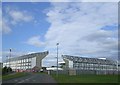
[90,68]
[20,64]
[33,62]
[39,59]
[26,63]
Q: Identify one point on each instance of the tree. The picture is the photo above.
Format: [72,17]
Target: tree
[6,70]
[9,69]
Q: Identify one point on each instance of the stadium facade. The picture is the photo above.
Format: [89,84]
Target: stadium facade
[29,62]
[83,65]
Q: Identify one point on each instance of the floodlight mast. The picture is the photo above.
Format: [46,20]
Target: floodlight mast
[10,56]
[7,60]
[117,66]
[57,58]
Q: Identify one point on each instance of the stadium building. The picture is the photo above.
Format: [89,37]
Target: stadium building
[29,62]
[82,65]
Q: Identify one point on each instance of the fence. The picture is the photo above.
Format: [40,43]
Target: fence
[79,72]
[60,72]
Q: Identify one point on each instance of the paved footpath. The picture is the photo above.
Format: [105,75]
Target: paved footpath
[32,78]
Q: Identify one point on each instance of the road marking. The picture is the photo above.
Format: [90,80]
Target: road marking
[21,81]
[24,80]
[16,80]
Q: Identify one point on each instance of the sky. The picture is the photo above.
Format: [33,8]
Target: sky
[87,29]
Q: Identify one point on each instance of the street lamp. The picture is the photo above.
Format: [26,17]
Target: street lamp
[57,58]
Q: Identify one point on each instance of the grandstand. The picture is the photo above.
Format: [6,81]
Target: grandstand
[86,65]
[29,62]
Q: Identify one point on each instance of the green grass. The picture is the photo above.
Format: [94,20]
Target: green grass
[41,72]
[86,78]
[12,76]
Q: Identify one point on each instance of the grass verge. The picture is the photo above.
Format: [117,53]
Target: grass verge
[12,76]
[86,78]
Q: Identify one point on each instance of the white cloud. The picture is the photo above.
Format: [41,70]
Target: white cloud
[99,35]
[5,27]
[14,17]
[77,27]
[5,54]
[19,16]
[0,31]
[35,41]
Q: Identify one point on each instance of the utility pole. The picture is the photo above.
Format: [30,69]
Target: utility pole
[57,58]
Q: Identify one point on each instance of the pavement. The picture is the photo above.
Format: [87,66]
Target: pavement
[33,78]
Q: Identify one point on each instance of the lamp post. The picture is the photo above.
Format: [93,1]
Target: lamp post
[6,61]
[57,58]
[117,65]
[10,57]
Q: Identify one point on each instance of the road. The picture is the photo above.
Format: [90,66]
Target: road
[33,78]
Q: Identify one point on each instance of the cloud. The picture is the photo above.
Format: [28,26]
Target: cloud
[5,27]
[0,31]
[5,54]
[98,36]
[78,29]
[14,17]
[35,41]
[19,16]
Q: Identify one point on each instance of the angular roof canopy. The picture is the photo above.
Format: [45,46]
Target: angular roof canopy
[28,56]
[88,60]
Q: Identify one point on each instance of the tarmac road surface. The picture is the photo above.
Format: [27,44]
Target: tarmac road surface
[34,78]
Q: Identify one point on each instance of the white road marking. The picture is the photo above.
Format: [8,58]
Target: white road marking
[26,79]
[21,81]
[16,80]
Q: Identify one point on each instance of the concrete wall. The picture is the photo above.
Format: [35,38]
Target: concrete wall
[72,72]
[39,60]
